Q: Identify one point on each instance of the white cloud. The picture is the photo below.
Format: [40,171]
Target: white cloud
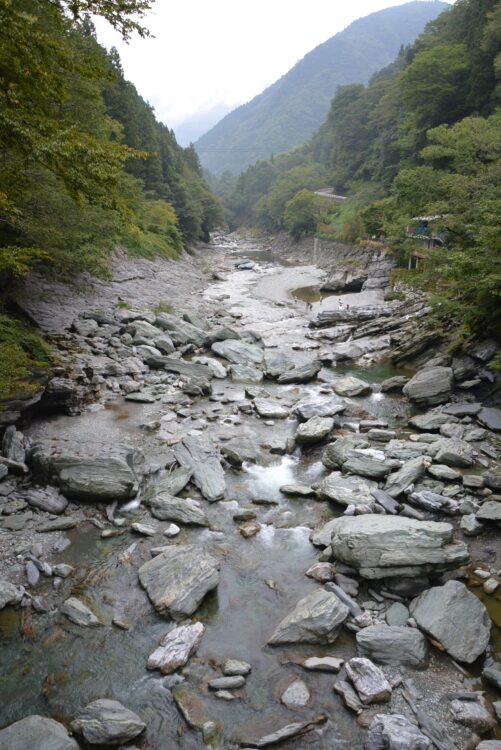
[205,53]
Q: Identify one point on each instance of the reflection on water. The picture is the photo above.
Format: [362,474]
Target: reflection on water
[311,294]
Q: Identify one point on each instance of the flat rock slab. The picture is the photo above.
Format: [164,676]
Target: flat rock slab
[177,580]
[191,706]
[176,648]
[314,430]
[384,546]
[368,680]
[490,418]
[79,613]
[350,386]
[321,407]
[408,474]
[180,331]
[273,733]
[301,374]
[323,663]
[198,453]
[490,511]
[107,722]
[179,367]
[346,490]
[454,617]
[430,386]
[36,733]
[396,732]
[270,409]
[316,618]
[364,463]
[238,352]
[180,509]
[396,645]
[453,452]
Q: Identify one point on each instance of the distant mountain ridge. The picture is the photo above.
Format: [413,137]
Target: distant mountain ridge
[289,111]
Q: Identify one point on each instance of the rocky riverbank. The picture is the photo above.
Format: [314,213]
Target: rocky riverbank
[274,525]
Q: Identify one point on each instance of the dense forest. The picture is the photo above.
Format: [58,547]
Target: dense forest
[289,111]
[422,139]
[86,167]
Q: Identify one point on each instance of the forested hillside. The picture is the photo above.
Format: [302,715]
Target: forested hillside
[287,113]
[422,139]
[85,164]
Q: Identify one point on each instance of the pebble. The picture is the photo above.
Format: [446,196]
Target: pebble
[225,695]
[234,667]
[296,695]
[490,585]
[171,530]
[249,529]
[227,683]
[141,528]
[323,663]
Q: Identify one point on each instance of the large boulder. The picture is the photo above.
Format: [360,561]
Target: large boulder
[197,452]
[387,644]
[387,546]
[316,618]
[36,732]
[430,386]
[456,618]
[350,386]
[395,732]
[238,352]
[314,430]
[180,331]
[177,580]
[346,490]
[100,479]
[276,362]
[107,722]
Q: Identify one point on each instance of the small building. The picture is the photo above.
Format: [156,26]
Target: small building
[421,230]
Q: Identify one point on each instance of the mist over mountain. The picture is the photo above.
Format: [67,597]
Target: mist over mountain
[289,111]
[199,123]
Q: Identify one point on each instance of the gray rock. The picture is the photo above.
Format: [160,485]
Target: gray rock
[142,331]
[395,383]
[335,454]
[395,732]
[176,648]
[270,409]
[9,594]
[180,367]
[323,663]
[350,386]
[321,571]
[254,737]
[434,502]
[47,498]
[301,374]
[79,613]
[59,524]
[36,733]
[453,452]
[455,618]
[322,407]
[180,331]
[180,509]
[276,363]
[216,368]
[490,418]
[443,472]
[238,352]
[393,546]
[397,614]
[408,474]
[107,722]
[302,490]
[346,490]
[349,696]
[321,537]
[430,386]
[236,667]
[368,680]
[165,344]
[466,409]
[430,421]
[296,695]
[172,484]
[63,570]
[316,618]
[177,580]
[227,683]
[238,450]
[246,374]
[14,445]
[198,453]
[490,511]
[32,573]
[470,526]
[492,673]
[394,644]
[474,715]
[367,464]
[314,430]
[489,745]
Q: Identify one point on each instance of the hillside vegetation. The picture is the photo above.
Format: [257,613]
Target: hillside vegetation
[287,113]
[85,164]
[422,139]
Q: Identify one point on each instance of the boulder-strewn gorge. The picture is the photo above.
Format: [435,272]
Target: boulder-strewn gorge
[262,531]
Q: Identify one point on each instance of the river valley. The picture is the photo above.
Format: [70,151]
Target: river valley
[224,473]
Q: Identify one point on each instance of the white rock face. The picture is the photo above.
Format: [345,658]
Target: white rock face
[176,648]
[368,680]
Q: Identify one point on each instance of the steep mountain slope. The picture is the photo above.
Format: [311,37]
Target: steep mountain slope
[289,111]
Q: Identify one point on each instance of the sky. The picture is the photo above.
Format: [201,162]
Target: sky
[224,52]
